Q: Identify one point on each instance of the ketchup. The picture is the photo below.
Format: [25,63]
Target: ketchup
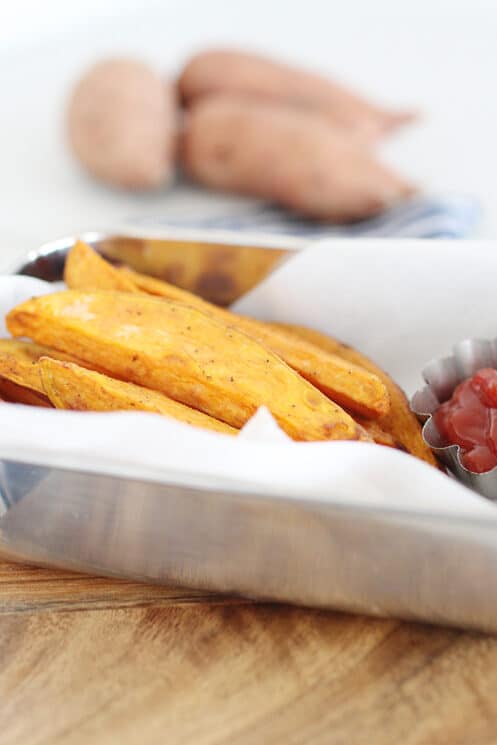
[469,419]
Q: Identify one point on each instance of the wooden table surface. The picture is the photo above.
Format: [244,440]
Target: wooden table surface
[91,660]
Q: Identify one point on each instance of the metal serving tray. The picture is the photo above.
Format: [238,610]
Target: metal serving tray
[382,562]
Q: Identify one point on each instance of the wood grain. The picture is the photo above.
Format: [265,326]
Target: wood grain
[161,665]
[25,589]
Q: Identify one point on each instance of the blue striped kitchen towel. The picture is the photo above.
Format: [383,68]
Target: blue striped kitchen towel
[428,217]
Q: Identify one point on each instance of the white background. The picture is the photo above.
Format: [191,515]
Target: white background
[436,55]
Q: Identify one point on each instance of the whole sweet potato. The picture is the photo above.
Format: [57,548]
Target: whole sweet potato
[70,386]
[292,157]
[234,72]
[121,124]
[176,349]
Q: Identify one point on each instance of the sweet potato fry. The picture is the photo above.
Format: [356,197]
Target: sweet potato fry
[346,384]
[400,422]
[18,394]
[379,435]
[86,270]
[70,386]
[18,362]
[178,350]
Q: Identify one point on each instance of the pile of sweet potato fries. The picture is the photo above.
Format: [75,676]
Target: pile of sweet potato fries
[121,340]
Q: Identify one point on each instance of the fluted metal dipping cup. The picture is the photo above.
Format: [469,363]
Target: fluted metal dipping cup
[442,377]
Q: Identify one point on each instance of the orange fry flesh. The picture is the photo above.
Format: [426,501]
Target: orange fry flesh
[183,353]
[348,385]
[400,421]
[69,386]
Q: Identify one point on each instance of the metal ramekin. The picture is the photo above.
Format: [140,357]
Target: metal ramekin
[442,377]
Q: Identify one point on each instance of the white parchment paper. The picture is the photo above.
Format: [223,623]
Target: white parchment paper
[401,302]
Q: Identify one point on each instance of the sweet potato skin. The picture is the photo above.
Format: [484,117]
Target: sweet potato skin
[183,353]
[400,422]
[235,72]
[291,157]
[121,124]
[69,386]
[11,392]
